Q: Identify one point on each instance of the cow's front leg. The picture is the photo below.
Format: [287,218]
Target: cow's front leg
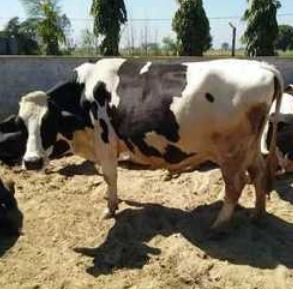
[109,170]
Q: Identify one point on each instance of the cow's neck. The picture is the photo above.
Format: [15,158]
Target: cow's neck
[81,143]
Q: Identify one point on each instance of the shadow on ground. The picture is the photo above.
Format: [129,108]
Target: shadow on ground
[262,245]
[284,187]
[10,229]
[86,168]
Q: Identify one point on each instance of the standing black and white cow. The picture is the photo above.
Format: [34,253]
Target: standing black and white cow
[171,116]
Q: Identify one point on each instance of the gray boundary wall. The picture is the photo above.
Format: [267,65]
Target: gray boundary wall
[20,75]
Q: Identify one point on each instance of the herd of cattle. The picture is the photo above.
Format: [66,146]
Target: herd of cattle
[234,113]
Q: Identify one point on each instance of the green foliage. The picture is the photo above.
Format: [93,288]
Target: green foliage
[169,46]
[109,15]
[89,43]
[24,34]
[262,27]
[285,38]
[51,25]
[192,27]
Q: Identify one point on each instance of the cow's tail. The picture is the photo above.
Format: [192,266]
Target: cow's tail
[272,159]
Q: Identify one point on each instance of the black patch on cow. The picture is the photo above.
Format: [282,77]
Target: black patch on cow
[8,125]
[61,149]
[69,98]
[174,155]
[145,148]
[101,94]
[69,123]
[49,126]
[210,97]
[68,95]
[105,131]
[145,101]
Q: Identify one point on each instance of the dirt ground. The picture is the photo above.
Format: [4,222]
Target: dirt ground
[159,239]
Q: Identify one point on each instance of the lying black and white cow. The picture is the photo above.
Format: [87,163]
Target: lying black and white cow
[171,116]
[13,137]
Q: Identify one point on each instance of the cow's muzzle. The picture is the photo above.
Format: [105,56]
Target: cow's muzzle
[33,164]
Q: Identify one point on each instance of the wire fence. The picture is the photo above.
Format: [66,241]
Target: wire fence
[143,32]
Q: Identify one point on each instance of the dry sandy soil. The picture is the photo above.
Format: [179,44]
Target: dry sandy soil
[159,239]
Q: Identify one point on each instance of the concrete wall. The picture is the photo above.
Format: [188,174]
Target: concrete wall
[19,75]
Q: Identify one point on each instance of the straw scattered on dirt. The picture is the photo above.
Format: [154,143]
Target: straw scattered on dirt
[158,240]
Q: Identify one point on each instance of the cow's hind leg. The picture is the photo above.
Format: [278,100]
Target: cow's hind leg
[259,177]
[234,184]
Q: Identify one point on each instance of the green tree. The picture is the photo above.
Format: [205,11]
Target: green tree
[109,15]
[24,35]
[192,27]
[262,27]
[51,25]
[169,46]
[89,43]
[285,38]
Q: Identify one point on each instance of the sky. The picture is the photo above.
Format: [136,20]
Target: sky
[140,10]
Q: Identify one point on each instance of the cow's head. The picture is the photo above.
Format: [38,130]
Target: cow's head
[41,119]
[61,111]
[47,125]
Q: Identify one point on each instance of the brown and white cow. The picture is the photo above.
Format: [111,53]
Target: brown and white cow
[171,116]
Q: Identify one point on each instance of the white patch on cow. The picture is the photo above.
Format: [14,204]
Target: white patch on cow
[146,68]
[236,86]
[33,107]
[84,71]
[105,70]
